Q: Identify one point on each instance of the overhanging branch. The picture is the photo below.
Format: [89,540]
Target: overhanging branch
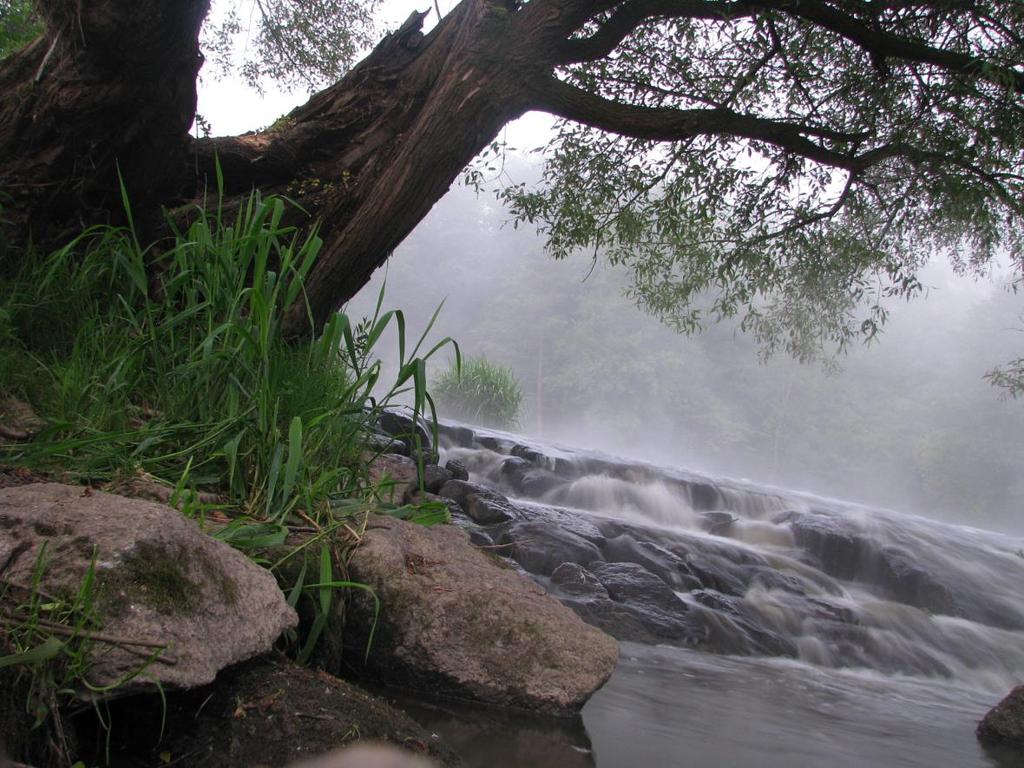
[632,14]
[668,124]
[879,43]
[883,45]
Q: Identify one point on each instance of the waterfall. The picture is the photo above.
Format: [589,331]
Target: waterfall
[664,556]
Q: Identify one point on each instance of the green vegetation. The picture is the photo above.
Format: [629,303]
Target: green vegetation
[167,364]
[780,167]
[479,392]
[176,368]
[48,636]
[1009,378]
[18,25]
[293,43]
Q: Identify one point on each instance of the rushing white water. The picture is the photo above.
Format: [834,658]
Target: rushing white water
[867,637]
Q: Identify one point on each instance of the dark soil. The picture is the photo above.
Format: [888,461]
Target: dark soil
[267,712]
[18,738]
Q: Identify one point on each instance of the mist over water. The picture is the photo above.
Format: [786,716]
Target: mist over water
[906,423]
[792,619]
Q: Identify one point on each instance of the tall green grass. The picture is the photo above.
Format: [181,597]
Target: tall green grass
[480,392]
[175,364]
[169,362]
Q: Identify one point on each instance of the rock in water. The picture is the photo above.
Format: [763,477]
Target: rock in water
[159,580]
[455,622]
[481,505]
[1004,724]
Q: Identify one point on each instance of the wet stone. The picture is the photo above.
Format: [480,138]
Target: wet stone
[480,504]
[435,477]
[574,579]
[716,523]
[667,565]
[1005,722]
[634,584]
[457,469]
[541,546]
[455,434]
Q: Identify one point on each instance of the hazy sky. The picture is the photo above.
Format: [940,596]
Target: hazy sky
[232,107]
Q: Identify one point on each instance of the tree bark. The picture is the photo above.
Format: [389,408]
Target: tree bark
[373,153]
[113,91]
[107,96]
[109,85]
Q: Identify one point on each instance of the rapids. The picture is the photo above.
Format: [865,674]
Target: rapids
[760,627]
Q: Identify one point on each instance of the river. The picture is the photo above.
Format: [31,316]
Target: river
[759,627]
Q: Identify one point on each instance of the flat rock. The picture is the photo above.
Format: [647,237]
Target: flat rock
[159,579]
[455,621]
[540,546]
[573,579]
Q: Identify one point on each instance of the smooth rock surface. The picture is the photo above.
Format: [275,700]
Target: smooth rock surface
[159,579]
[367,756]
[456,622]
[540,546]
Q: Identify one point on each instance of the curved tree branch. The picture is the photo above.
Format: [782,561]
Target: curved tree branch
[884,45]
[876,41]
[632,14]
[668,124]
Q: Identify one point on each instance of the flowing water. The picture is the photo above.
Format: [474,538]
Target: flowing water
[759,627]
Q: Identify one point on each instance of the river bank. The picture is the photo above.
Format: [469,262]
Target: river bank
[831,651]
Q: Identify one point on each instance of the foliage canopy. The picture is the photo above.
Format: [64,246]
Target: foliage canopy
[797,160]
[297,44]
[18,25]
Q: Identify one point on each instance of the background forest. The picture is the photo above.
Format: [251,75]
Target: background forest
[907,422]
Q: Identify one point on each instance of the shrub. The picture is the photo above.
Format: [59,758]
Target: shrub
[479,392]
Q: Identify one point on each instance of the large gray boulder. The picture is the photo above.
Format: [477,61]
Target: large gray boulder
[160,581]
[455,621]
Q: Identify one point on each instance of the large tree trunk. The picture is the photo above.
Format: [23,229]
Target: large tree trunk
[109,85]
[113,89]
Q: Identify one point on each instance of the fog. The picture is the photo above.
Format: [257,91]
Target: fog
[907,422]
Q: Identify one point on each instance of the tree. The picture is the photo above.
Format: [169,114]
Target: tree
[800,157]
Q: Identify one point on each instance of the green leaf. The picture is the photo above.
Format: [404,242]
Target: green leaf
[43,652]
[294,458]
